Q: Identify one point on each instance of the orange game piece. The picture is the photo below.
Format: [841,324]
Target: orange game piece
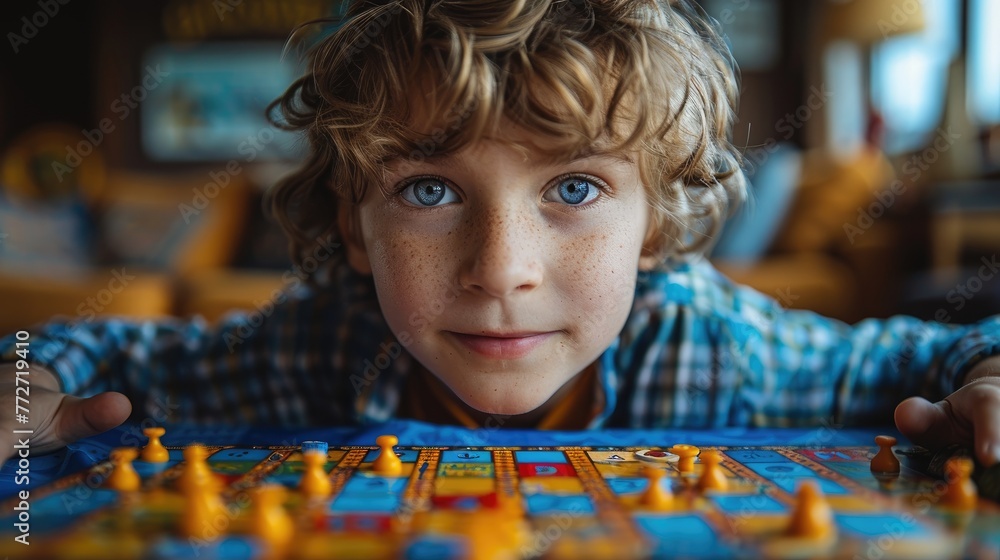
[961,492]
[812,516]
[885,461]
[154,452]
[387,463]
[712,476]
[655,496]
[271,521]
[123,477]
[314,482]
[687,453]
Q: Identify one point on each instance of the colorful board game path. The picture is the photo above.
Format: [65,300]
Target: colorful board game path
[357,494]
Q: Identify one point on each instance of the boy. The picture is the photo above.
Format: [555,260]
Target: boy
[499,221]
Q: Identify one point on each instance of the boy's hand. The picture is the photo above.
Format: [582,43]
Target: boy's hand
[55,417]
[969,415]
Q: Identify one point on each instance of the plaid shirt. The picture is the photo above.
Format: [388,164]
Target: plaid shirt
[696,351]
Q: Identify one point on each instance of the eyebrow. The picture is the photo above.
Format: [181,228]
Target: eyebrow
[448,160]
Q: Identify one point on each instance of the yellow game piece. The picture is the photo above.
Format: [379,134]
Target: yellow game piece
[961,493]
[387,463]
[154,452]
[271,521]
[205,515]
[712,476]
[656,496]
[123,476]
[196,475]
[812,516]
[885,461]
[314,482]
[687,453]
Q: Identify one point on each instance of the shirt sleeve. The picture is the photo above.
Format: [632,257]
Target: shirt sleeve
[797,367]
[269,365]
[701,351]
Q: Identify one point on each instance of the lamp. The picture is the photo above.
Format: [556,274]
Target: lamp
[867,22]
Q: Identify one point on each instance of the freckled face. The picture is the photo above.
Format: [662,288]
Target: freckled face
[504,275]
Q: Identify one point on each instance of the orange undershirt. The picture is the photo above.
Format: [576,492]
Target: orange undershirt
[427,399]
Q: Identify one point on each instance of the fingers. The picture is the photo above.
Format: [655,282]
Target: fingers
[931,425]
[986,417]
[79,418]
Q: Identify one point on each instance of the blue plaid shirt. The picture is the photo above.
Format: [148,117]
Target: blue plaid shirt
[696,351]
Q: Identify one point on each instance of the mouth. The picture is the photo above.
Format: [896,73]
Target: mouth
[501,346]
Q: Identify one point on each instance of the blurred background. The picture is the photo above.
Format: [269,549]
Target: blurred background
[134,154]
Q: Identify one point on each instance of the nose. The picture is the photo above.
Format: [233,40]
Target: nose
[503,255]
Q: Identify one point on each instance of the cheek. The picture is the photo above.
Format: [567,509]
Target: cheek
[597,277]
[406,268]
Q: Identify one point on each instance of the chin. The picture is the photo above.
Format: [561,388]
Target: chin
[507,407]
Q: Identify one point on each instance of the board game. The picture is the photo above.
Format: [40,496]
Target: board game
[506,501]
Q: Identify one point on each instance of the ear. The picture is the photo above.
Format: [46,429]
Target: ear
[349,225]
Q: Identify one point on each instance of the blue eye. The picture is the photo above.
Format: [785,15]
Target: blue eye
[574,191]
[428,193]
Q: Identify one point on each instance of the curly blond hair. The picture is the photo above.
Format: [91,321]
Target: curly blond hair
[643,75]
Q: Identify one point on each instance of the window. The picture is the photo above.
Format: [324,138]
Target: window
[984,61]
[910,76]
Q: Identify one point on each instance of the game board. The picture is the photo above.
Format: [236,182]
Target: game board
[502,501]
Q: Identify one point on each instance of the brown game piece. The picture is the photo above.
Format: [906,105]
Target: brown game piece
[961,492]
[655,496]
[812,516]
[712,476]
[687,453]
[885,461]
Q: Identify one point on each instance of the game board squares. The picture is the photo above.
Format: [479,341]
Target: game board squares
[540,457]
[551,485]
[240,455]
[612,457]
[899,526]
[437,547]
[232,546]
[346,502]
[333,456]
[545,469]
[548,504]
[362,483]
[683,535]
[466,469]
[790,484]
[465,503]
[466,456]
[464,486]
[359,523]
[748,504]
[627,486]
[756,456]
[405,455]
